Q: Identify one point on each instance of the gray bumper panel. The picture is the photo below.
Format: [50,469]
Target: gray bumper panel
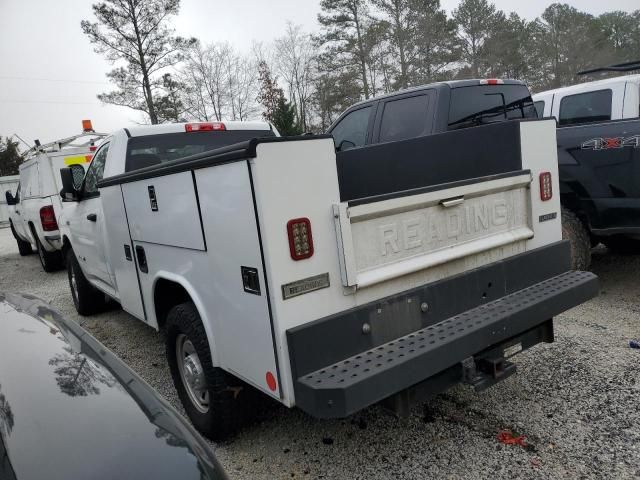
[344,387]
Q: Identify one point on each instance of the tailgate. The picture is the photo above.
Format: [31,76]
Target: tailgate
[380,240]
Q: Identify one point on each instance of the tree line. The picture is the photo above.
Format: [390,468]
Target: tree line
[363,48]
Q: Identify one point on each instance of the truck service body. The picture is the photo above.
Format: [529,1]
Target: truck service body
[334,280]
[598,152]
[38,206]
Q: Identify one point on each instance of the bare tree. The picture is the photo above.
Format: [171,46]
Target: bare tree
[294,54]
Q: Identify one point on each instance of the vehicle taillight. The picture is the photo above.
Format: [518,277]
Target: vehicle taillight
[492,81]
[300,238]
[48,219]
[546,191]
[204,127]
[93,148]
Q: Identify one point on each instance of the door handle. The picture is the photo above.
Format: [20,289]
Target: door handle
[142,259]
[92,217]
[452,202]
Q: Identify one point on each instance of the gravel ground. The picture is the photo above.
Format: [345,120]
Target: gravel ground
[576,400]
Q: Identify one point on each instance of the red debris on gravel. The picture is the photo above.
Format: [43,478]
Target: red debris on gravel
[507,437]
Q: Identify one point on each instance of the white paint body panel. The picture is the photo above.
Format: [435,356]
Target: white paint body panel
[176,223]
[123,271]
[625,98]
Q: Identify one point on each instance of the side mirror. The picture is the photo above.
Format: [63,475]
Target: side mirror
[71,182]
[346,145]
[10,199]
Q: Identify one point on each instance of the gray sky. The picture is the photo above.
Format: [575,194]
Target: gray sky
[49,74]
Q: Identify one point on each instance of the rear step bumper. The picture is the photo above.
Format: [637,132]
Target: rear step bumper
[344,387]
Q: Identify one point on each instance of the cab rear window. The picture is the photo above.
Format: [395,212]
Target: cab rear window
[150,150]
[482,104]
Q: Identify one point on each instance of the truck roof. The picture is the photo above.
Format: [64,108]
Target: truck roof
[588,86]
[143,130]
[447,83]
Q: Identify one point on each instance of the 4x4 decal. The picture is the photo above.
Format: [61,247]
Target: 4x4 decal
[611,143]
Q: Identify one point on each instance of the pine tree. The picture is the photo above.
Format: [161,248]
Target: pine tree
[277,110]
[10,158]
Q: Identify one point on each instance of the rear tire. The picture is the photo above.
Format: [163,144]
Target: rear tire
[86,298]
[574,230]
[24,247]
[622,244]
[50,261]
[213,399]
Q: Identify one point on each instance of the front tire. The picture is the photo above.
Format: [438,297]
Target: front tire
[574,230]
[213,399]
[86,298]
[24,247]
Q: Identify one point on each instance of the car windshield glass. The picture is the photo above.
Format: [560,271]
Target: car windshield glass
[481,104]
[149,150]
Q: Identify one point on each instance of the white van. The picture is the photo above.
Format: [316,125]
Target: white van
[36,204]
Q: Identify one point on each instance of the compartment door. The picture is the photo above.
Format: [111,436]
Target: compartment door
[119,252]
[164,211]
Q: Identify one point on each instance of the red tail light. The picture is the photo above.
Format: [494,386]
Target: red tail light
[546,191]
[204,127]
[93,148]
[48,219]
[300,238]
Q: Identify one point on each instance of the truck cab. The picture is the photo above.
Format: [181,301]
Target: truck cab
[598,153]
[431,109]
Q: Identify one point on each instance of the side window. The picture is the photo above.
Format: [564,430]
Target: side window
[95,172]
[404,118]
[539,108]
[351,132]
[586,107]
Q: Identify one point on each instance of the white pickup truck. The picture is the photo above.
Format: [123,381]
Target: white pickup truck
[265,269]
[36,204]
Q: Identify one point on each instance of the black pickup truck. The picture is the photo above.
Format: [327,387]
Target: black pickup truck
[599,161]
[430,109]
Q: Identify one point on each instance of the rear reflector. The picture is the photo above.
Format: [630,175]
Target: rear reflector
[492,81]
[546,191]
[48,219]
[204,127]
[300,238]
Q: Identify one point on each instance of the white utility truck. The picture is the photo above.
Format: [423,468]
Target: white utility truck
[36,204]
[266,270]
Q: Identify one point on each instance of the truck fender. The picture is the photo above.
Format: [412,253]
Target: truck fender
[164,276]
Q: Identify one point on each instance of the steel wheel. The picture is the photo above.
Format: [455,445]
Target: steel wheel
[74,283]
[192,373]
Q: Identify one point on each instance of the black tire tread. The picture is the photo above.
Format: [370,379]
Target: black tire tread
[24,247]
[227,394]
[575,231]
[50,261]
[91,300]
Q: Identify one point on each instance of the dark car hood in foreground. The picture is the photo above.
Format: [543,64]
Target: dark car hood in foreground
[69,409]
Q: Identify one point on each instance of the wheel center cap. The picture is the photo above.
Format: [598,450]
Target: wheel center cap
[193,372]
